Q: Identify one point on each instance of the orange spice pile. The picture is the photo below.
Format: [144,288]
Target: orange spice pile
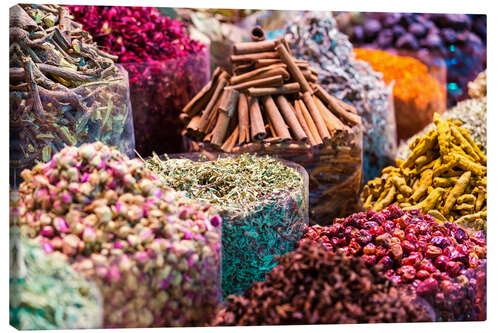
[417,95]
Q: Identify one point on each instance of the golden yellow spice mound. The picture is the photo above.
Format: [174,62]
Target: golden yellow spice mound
[444,176]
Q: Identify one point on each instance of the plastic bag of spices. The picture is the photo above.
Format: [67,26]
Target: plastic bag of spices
[158,92]
[58,99]
[263,203]
[153,253]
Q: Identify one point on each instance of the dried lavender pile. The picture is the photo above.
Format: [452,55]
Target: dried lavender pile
[46,293]
[154,254]
[63,89]
[264,203]
[314,37]
[313,286]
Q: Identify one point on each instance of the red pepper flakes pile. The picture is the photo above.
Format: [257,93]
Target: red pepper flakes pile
[440,262]
[166,67]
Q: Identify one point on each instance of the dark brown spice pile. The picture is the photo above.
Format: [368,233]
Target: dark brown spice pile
[313,286]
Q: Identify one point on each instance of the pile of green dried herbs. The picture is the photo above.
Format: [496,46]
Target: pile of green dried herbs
[235,185]
[47,294]
[264,204]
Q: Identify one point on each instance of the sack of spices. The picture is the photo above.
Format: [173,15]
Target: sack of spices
[63,89]
[438,262]
[166,67]
[153,253]
[263,203]
[417,94]
[314,37]
[46,293]
[272,105]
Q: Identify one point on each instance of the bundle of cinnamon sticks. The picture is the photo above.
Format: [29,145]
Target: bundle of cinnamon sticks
[271,98]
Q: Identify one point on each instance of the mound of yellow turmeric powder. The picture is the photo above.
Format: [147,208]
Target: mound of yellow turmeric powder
[444,176]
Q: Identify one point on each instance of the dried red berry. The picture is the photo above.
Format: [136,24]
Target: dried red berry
[422,274]
[433,251]
[396,251]
[428,286]
[370,249]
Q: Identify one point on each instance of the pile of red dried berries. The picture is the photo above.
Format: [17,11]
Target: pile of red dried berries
[313,286]
[441,263]
[166,68]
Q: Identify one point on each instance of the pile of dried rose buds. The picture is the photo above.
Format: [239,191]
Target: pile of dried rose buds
[440,262]
[154,253]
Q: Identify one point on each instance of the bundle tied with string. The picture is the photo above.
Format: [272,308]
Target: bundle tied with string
[272,105]
[63,89]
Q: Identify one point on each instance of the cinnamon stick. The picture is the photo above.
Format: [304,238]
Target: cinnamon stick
[266,62]
[213,117]
[242,68]
[254,47]
[202,97]
[254,56]
[257,34]
[310,123]
[290,118]
[293,68]
[336,107]
[221,82]
[231,141]
[226,111]
[289,88]
[192,127]
[244,135]
[276,118]
[302,121]
[252,74]
[333,123]
[316,116]
[276,80]
[256,121]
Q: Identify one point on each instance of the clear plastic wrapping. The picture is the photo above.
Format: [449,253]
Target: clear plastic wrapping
[252,240]
[94,111]
[158,92]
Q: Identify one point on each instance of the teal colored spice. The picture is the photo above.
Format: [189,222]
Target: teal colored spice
[47,294]
[263,202]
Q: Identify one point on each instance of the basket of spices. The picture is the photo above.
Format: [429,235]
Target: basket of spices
[439,262]
[263,203]
[63,89]
[166,68]
[312,286]
[272,105]
[417,93]
[314,37]
[46,293]
[153,253]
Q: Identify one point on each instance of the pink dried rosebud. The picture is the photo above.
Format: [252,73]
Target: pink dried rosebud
[118,245]
[57,242]
[216,220]
[66,198]
[146,235]
[89,234]
[47,247]
[141,256]
[47,231]
[114,274]
[61,225]
[70,245]
[133,240]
